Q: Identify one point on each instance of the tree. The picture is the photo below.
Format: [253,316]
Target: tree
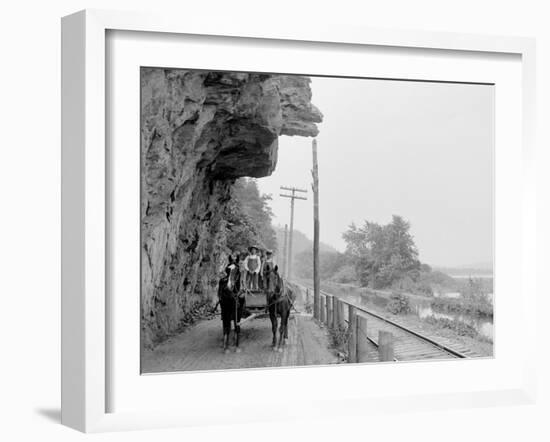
[383,254]
[248,218]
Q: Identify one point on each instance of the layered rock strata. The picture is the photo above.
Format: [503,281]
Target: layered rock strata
[201,130]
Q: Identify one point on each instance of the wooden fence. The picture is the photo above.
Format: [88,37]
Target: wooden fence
[351,320]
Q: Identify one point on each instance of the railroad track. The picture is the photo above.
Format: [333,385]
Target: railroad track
[409,344]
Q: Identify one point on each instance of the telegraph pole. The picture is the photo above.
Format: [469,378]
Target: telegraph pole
[285,251]
[316,275]
[292,197]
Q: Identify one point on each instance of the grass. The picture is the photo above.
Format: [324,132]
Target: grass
[458,327]
[478,306]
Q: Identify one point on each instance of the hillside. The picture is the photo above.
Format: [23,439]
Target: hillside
[301,242]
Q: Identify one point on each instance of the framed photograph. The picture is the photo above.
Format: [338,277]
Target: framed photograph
[249,206]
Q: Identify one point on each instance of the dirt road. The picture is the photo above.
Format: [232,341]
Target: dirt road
[200,347]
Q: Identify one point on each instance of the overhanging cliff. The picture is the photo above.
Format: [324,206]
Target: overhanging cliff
[201,130]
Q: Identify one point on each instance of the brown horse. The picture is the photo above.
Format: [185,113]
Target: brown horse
[232,305]
[280,299]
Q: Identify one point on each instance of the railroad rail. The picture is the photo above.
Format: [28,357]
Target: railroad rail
[374,338]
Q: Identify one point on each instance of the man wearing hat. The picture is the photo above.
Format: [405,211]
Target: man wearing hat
[267,264]
[267,268]
[252,266]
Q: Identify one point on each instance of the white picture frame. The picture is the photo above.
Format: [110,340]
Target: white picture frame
[86,350]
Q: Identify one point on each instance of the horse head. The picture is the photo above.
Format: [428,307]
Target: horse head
[274,283]
[233,275]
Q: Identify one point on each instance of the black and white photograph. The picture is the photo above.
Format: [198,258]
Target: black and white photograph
[244,221]
[302,220]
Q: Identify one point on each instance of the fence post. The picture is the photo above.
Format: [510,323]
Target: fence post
[328,302]
[341,315]
[322,309]
[385,346]
[352,333]
[362,341]
[335,313]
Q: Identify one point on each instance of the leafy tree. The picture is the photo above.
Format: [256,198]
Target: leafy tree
[248,218]
[383,254]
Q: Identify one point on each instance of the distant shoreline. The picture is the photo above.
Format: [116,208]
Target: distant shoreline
[471,275]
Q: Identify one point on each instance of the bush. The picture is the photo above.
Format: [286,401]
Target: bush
[478,306]
[308,305]
[339,337]
[202,309]
[398,304]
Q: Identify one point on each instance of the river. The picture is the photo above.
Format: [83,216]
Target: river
[483,325]
[421,306]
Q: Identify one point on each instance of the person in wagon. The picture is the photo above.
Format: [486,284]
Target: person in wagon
[267,264]
[267,267]
[261,274]
[241,258]
[252,266]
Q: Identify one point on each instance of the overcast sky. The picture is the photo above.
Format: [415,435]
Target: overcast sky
[420,150]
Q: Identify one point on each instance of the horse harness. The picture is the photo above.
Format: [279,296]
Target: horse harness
[279,299]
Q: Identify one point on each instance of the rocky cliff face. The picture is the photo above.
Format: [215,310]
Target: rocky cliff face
[199,132]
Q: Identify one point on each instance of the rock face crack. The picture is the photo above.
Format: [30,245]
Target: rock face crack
[199,132]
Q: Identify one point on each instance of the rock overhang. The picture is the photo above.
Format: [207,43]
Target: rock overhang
[199,132]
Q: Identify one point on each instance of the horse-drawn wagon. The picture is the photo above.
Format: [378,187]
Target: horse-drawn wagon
[256,300]
[274,297]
